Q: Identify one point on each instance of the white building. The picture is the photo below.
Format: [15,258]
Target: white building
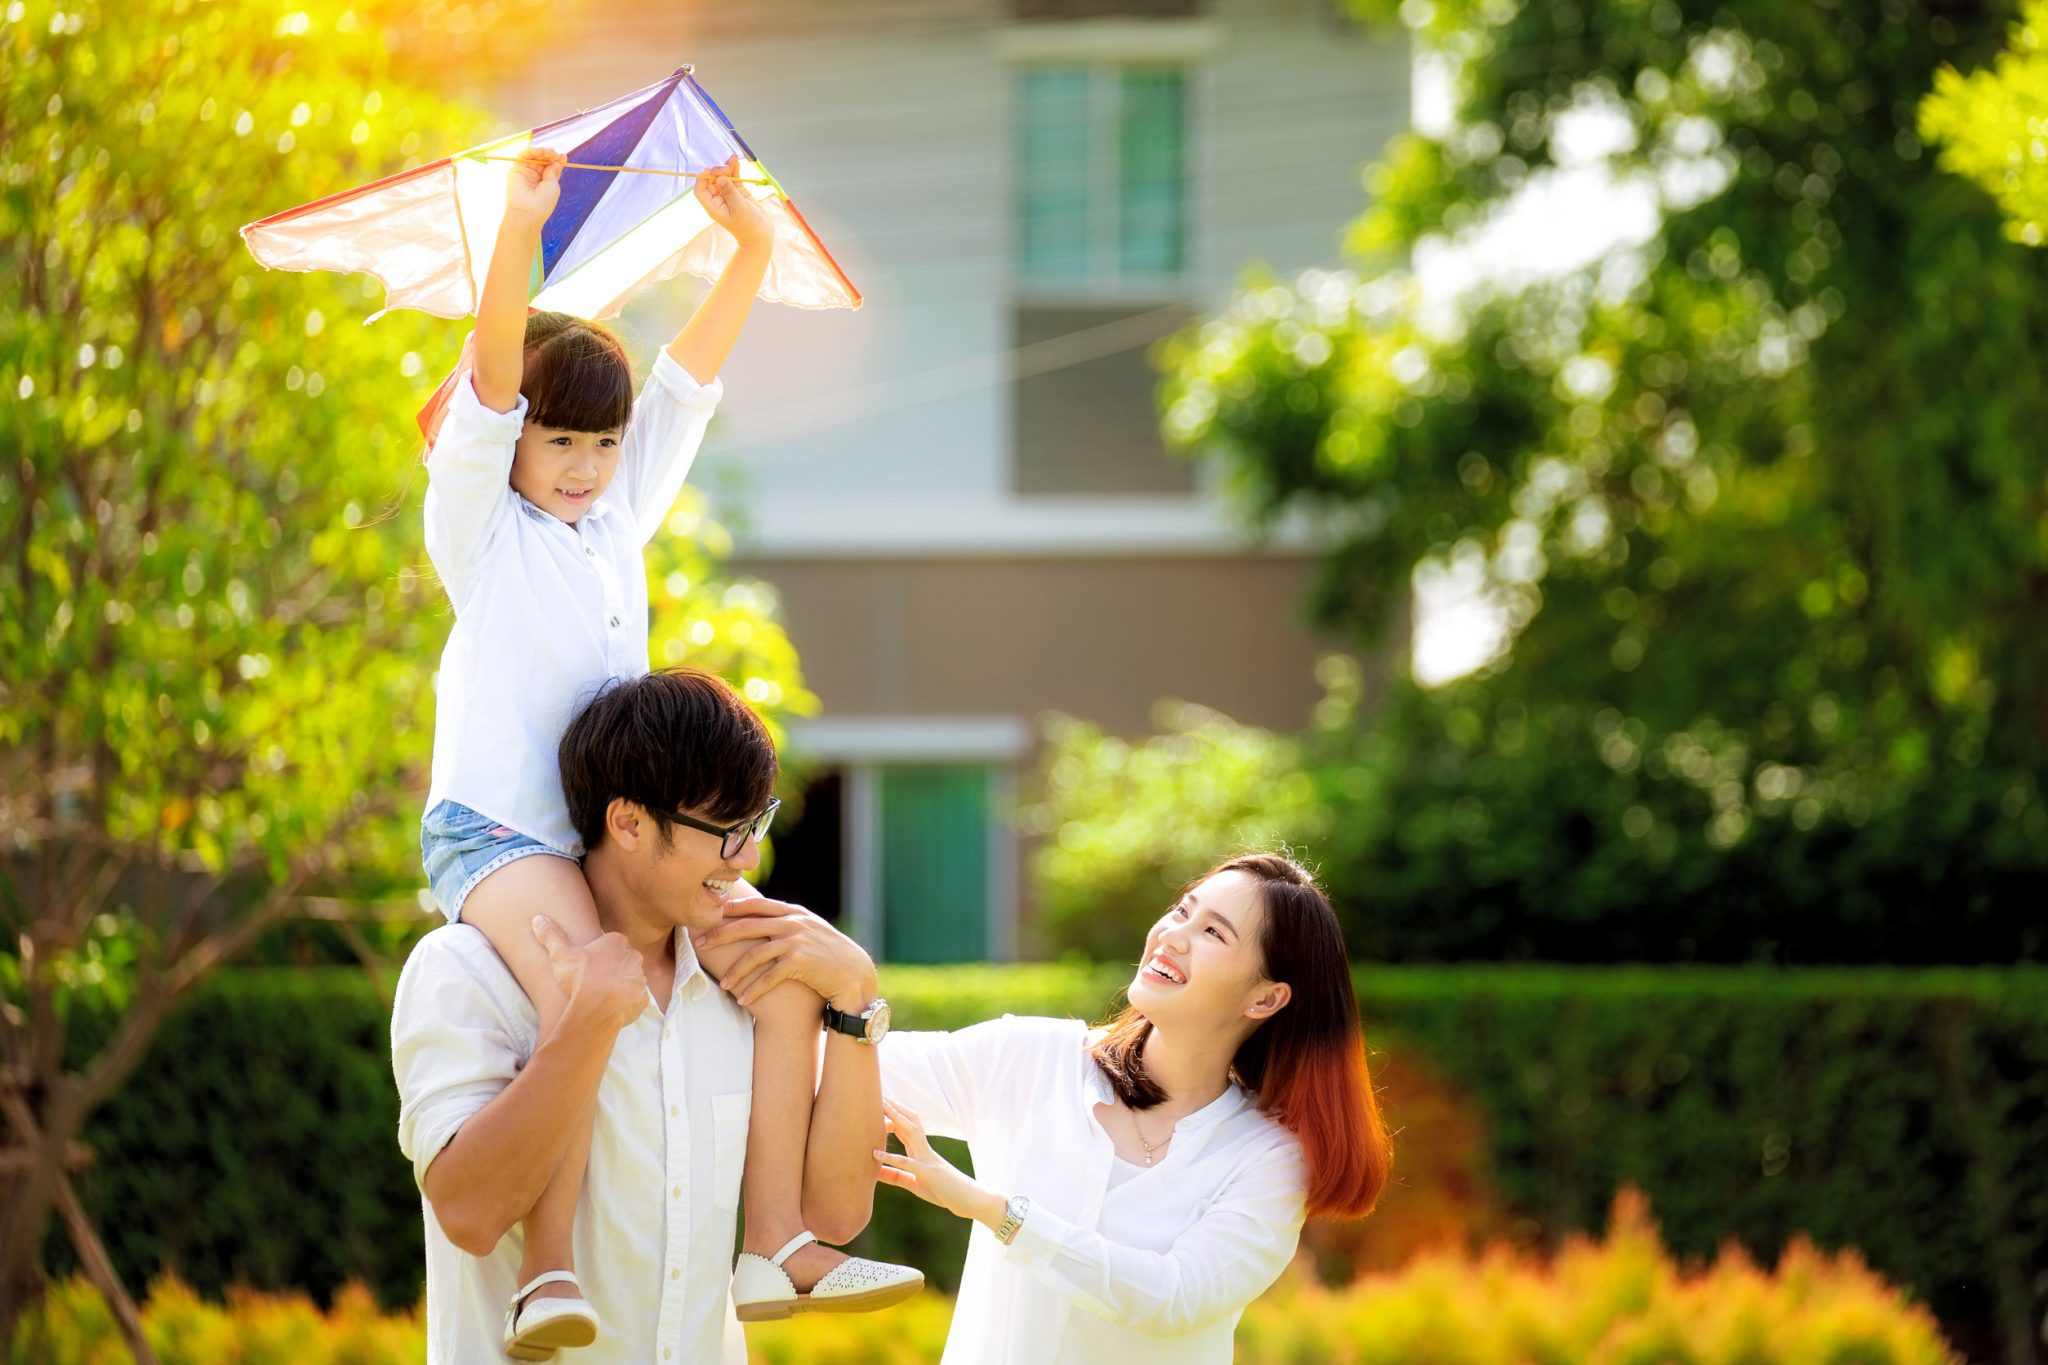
[960,490]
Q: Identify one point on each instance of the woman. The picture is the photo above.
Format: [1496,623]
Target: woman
[1153,1174]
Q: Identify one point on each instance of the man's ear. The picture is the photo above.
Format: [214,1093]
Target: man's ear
[624,822]
[1270,999]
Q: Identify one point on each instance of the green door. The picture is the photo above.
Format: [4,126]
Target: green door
[935,833]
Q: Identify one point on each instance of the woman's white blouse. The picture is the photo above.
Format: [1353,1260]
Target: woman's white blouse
[545,612]
[1158,1268]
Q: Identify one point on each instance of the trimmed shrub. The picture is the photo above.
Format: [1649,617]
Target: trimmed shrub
[73,1327]
[1619,1301]
[1898,1112]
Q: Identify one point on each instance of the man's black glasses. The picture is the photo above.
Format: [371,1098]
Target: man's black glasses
[734,837]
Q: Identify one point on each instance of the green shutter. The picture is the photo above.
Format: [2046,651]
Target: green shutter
[935,836]
[1152,188]
[1053,173]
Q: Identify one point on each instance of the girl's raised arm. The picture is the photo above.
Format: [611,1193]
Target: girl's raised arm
[707,339]
[531,189]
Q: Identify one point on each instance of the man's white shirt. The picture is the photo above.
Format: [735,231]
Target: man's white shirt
[655,1227]
[545,612]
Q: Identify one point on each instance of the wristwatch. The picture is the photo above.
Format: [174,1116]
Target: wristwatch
[870,1026]
[1013,1218]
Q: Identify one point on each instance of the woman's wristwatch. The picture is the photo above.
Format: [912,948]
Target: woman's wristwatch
[870,1026]
[1013,1218]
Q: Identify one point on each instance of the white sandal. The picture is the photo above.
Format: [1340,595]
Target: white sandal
[762,1290]
[537,1328]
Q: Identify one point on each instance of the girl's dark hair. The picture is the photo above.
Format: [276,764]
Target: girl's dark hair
[576,376]
[1306,1064]
[677,740]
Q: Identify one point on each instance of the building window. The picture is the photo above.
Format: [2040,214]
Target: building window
[1101,174]
[1102,261]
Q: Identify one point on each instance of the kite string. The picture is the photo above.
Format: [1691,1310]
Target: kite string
[638,170]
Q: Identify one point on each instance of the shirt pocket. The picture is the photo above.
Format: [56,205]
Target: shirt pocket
[730,1115]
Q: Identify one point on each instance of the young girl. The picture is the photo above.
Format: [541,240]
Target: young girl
[545,482]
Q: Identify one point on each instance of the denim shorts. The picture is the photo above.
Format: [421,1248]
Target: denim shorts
[460,848]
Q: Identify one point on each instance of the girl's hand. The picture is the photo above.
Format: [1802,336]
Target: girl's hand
[731,207]
[534,184]
[930,1176]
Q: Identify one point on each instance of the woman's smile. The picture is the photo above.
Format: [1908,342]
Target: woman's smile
[1166,970]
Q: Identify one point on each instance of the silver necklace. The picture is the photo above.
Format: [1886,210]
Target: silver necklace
[1150,1147]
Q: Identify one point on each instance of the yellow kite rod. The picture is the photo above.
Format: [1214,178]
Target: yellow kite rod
[638,170]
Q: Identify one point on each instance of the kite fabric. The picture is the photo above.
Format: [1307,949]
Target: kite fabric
[428,233]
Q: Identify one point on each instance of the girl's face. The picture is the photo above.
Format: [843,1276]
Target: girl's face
[1202,962]
[562,472]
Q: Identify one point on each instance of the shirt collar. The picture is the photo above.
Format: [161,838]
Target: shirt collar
[691,978]
[598,511]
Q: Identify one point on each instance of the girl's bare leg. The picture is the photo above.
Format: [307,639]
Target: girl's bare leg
[503,905]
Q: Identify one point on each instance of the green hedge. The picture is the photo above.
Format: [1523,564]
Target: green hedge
[1902,1113]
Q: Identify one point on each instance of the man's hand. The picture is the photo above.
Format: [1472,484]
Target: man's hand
[789,943]
[605,975]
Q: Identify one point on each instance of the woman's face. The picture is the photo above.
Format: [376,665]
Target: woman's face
[1202,961]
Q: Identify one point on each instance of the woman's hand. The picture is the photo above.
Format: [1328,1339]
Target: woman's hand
[931,1177]
[731,207]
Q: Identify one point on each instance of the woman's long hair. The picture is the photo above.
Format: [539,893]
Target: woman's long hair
[1306,1064]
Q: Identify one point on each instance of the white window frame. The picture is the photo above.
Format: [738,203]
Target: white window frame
[1107,47]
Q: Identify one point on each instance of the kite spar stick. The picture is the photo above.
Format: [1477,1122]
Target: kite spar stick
[637,170]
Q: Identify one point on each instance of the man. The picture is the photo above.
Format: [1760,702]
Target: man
[647,1037]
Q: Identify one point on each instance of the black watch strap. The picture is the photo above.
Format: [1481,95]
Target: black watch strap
[852,1025]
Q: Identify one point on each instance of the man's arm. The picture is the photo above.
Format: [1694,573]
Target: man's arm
[492,1172]
[531,191]
[789,943]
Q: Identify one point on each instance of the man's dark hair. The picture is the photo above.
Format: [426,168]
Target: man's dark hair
[576,374]
[677,740]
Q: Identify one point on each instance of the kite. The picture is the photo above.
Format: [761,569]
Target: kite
[626,218]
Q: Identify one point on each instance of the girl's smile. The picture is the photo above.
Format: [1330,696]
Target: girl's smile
[563,472]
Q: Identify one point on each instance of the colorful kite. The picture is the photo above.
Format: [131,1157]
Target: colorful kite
[626,218]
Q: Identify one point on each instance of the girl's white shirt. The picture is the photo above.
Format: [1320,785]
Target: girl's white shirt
[1155,1267]
[545,612]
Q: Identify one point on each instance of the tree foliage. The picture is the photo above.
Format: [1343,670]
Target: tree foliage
[1124,825]
[1991,127]
[1756,490]
[217,624]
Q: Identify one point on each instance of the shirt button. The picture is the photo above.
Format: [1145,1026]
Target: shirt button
[677,1192]
[675,1274]
[673,1110]
[615,622]
[592,553]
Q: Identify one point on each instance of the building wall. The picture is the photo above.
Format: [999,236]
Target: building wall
[1093,636]
[958,490]
[892,125]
